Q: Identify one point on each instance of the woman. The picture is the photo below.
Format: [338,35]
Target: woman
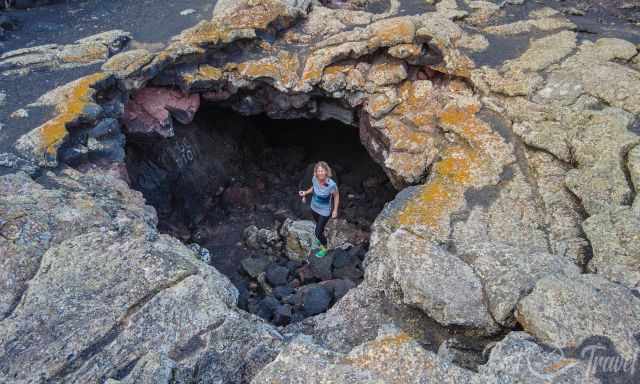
[324,190]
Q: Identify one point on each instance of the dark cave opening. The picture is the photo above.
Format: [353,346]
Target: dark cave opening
[230,184]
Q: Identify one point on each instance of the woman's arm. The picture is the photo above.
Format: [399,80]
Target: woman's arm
[303,194]
[336,199]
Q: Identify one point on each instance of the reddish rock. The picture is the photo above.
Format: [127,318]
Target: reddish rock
[151,110]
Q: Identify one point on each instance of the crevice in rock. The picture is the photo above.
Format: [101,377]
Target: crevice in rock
[194,344]
[126,370]
[463,346]
[627,175]
[18,299]
[230,184]
[583,215]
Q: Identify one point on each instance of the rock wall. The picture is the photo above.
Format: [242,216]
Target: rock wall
[515,157]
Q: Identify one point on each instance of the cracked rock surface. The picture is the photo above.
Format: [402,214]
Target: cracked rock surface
[510,131]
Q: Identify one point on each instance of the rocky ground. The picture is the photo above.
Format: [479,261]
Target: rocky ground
[509,253]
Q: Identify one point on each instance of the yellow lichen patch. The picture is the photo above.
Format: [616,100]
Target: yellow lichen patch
[293,37]
[208,72]
[387,73]
[404,51]
[89,54]
[419,104]
[425,120]
[379,104]
[453,168]
[53,132]
[258,15]
[402,138]
[373,350]
[283,68]
[390,32]
[455,63]
[477,160]
[314,67]
[421,96]
[336,69]
[463,121]
[265,46]
[205,72]
[444,193]
[459,116]
[457,86]
[128,62]
[260,68]
[206,32]
[289,64]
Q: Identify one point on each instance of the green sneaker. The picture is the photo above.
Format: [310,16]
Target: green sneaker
[316,243]
[322,252]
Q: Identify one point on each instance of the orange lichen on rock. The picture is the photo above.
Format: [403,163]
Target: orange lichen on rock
[335,69]
[282,69]
[210,72]
[419,104]
[476,161]
[382,346]
[267,67]
[205,72]
[257,15]
[459,116]
[390,32]
[444,193]
[405,51]
[403,138]
[463,121]
[314,68]
[54,131]
[89,54]
[240,22]
[380,104]
[204,32]
[455,63]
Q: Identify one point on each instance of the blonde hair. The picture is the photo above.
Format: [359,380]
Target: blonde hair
[323,165]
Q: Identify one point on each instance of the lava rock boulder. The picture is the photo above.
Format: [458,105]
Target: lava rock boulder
[315,300]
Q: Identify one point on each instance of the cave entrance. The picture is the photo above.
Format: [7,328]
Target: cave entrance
[229,183]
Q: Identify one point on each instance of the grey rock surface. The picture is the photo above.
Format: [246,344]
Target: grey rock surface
[391,357]
[86,51]
[519,359]
[438,282]
[508,274]
[565,311]
[615,237]
[128,290]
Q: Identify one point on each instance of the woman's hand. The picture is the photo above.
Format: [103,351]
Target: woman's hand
[334,214]
[301,193]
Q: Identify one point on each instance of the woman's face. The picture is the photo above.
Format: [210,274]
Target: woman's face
[321,173]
